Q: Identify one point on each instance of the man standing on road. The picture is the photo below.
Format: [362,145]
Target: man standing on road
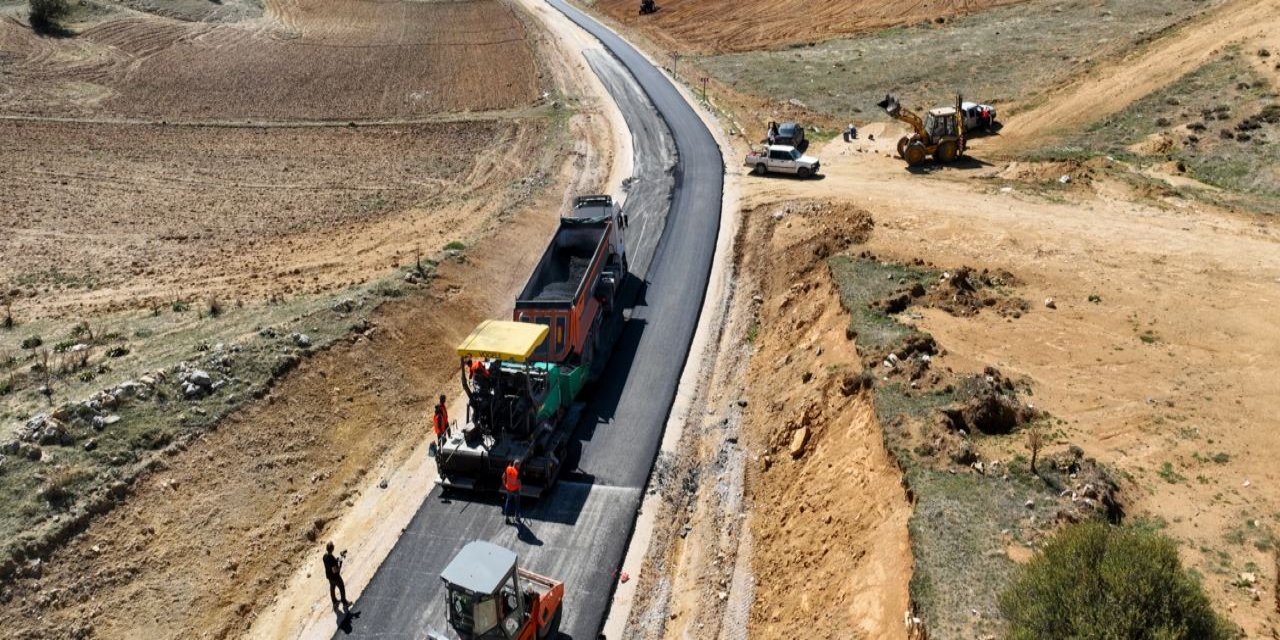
[440,425]
[511,484]
[333,571]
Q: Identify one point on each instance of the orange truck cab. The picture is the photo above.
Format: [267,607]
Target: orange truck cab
[491,598]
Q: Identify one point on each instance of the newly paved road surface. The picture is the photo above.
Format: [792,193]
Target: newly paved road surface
[579,532]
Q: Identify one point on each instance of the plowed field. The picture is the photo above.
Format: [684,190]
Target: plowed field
[304,59]
[720,26]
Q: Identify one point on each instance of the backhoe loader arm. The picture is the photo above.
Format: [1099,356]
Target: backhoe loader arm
[895,110]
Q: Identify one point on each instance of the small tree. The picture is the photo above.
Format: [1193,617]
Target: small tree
[1035,442]
[47,15]
[1095,581]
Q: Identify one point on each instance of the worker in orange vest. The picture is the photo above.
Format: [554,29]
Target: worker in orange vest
[476,369]
[511,484]
[440,425]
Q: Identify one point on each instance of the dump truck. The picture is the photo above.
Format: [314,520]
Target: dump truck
[523,377]
[941,134]
[489,596]
[575,287]
[781,159]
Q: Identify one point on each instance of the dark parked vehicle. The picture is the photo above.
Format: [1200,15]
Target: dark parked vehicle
[791,134]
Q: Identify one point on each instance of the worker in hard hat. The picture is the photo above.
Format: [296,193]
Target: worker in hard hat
[511,485]
[440,425]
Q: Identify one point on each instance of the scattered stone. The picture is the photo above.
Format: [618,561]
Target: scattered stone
[200,378]
[382,484]
[90,444]
[798,442]
[1030,504]
[1050,304]
[302,340]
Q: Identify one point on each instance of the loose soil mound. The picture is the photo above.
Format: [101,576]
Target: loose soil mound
[700,25]
[304,60]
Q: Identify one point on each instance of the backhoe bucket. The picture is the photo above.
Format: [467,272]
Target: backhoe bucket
[890,105]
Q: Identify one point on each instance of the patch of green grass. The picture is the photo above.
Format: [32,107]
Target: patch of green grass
[455,246]
[1169,475]
[1234,143]
[862,282]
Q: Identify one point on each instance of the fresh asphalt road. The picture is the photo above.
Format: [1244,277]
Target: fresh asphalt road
[579,532]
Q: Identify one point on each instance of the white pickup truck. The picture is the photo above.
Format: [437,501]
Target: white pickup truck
[782,159]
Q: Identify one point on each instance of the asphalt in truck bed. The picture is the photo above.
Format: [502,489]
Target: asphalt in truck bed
[579,532]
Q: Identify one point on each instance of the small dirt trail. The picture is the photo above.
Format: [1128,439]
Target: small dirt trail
[1112,88]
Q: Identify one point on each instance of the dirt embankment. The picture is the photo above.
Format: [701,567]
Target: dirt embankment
[828,512]
[781,509]
[700,26]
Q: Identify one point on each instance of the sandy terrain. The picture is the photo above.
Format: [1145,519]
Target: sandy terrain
[304,59]
[699,25]
[831,553]
[1200,284]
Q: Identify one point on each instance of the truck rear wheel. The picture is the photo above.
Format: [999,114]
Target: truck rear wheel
[759,169]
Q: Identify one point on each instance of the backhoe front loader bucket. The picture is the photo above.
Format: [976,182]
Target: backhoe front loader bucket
[890,105]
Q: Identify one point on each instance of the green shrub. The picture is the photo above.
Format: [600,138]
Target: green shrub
[1095,581]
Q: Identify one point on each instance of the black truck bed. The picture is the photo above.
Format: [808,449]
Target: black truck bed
[565,264]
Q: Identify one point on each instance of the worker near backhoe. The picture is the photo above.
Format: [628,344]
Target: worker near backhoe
[333,572]
[850,133]
[440,425]
[511,485]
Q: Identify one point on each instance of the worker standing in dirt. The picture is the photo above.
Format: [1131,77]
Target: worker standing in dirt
[511,485]
[773,132]
[440,425]
[333,572]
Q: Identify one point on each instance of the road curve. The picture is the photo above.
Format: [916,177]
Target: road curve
[580,531]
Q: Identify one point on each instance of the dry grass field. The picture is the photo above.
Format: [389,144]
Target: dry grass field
[720,26]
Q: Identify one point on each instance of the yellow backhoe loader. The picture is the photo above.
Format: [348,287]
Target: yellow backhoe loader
[940,135]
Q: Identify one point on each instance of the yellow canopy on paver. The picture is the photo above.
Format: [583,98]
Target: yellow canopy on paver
[503,340]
